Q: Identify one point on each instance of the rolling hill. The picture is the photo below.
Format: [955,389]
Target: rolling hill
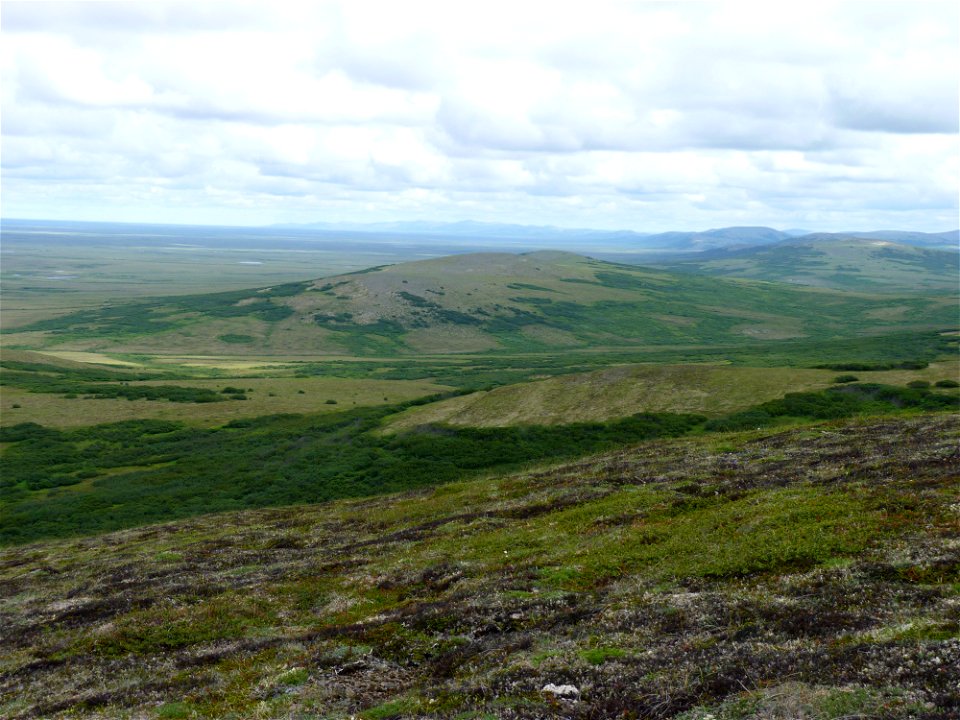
[619,391]
[943,240]
[841,262]
[540,301]
[701,240]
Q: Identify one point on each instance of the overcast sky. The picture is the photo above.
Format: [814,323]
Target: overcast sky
[639,115]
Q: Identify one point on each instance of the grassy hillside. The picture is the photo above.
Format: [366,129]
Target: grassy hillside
[846,263]
[105,477]
[614,392]
[535,302]
[810,572]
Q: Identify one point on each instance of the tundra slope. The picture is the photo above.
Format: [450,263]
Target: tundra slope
[708,389]
[535,302]
[809,572]
[833,261]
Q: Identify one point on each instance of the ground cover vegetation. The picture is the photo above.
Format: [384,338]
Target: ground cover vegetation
[282,384]
[801,572]
[50,391]
[711,389]
[849,263]
[71,382]
[899,350]
[483,302]
[105,477]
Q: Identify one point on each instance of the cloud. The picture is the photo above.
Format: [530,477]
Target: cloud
[642,115]
[120,16]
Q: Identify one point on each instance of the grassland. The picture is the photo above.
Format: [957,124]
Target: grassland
[262,396]
[538,302]
[842,263]
[277,381]
[58,391]
[711,390]
[808,572]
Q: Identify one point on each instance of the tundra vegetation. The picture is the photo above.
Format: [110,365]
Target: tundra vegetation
[801,572]
[484,487]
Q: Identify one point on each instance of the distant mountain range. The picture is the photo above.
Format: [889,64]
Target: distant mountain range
[545,235]
[719,238]
[625,240]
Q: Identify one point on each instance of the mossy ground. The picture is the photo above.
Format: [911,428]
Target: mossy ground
[810,572]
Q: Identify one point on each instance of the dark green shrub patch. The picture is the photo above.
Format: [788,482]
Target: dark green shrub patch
[171,393]
[178,471]
[529,286]
[26,431]
[160,470]
[836,402]
[20,373]
[867,366]
[236,339]
[98,384]
[286,290]
[152,316]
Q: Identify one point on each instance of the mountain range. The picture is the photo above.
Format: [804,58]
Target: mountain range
[677,241]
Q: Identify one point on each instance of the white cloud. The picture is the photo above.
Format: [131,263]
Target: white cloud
[641,115]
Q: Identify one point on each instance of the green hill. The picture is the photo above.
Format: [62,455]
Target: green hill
[539,301]
[846,263]
[804,573]
[619,391]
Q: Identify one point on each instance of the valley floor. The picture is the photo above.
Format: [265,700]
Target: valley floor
[809,572]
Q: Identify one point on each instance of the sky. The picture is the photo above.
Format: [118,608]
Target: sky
[646,116]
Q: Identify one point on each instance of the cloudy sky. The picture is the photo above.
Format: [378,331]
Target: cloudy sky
[640,115]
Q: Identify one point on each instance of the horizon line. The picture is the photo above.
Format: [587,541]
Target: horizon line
[307,226]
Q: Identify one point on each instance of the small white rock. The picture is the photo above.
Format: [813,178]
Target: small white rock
[564,691]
